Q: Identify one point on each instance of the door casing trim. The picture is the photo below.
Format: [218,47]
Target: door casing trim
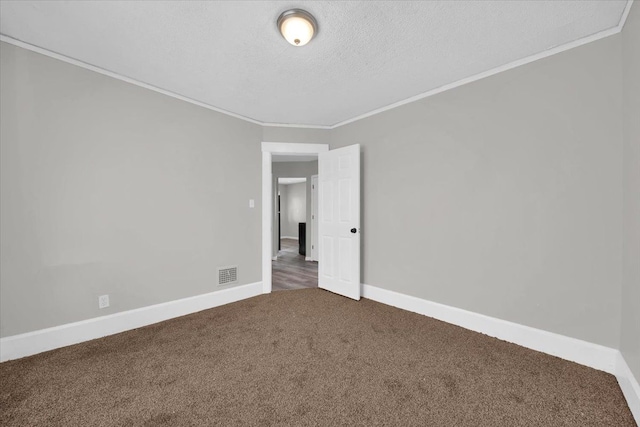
[268,150]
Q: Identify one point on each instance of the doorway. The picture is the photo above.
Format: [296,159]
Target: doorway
[338,239]
[291,267]
[295,152]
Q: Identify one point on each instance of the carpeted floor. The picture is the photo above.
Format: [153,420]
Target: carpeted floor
[305,357]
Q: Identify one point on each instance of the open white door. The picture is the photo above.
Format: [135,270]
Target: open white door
[339,221]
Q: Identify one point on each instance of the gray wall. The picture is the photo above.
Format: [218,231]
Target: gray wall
[630,344]
[294,209]
[503,196]
[294,170]
[109,188]
[297,135]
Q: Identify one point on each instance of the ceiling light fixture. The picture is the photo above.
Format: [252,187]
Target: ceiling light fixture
[297,26]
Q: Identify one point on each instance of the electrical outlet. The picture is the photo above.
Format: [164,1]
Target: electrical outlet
[103,301]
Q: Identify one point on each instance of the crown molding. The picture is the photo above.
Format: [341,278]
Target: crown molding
[69,60]
[625,14]
[541,55]
[85,65]
[293,125]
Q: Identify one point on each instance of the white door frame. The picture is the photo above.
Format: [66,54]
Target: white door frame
[314,218]
[268,149]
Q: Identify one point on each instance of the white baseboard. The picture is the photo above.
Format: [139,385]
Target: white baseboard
[35,342]
[582,352]
[274,258]
[585,353]
[308,258]
[629,385]
[593,355]
[288,237]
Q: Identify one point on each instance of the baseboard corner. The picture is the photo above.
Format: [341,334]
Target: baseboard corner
[629,385]
[582,352]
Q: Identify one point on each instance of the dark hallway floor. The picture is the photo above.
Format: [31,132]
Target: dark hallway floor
[291,271]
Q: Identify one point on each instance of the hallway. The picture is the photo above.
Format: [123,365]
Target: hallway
[291,271]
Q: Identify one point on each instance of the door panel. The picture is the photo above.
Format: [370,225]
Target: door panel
[339,214]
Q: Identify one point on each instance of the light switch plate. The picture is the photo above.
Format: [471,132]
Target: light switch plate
[252,203]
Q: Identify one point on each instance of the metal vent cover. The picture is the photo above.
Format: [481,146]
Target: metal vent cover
[227,275]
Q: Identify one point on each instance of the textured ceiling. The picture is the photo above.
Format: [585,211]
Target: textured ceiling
[367,55]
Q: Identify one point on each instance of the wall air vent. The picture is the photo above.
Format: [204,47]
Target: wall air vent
[227,275]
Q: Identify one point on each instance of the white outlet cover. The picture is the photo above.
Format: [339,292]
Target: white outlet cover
[103,301]
[252,203]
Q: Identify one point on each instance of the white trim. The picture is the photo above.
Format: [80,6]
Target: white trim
[484,74]
[35,342]
[267,223]
[499,69]
[629,385]
[470,79]
[293,125]
[117,76]
[308,258]
[267,200]
[623,19]
[132,81]
[293,148]
[275,258]
[585,353]
[289,237]
[314,217]
[582,352]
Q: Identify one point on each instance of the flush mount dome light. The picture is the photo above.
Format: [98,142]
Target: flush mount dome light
[297,26]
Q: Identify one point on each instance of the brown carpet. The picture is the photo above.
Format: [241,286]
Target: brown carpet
[305,357]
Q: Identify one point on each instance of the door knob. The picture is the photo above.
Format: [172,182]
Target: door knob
[353,230]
